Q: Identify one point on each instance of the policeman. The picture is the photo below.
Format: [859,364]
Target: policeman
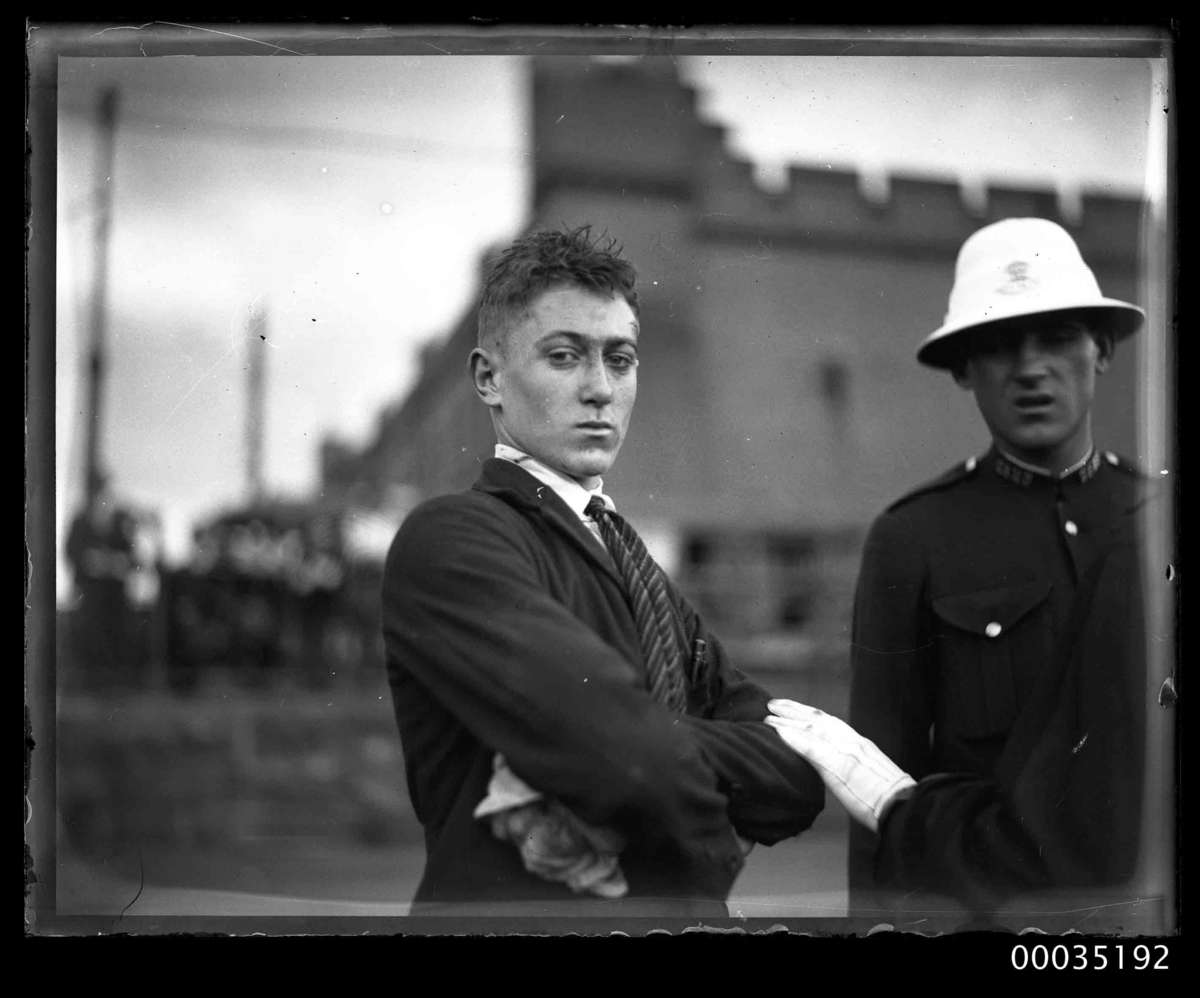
[966,618]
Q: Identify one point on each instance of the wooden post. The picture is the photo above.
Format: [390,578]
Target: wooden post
[256,348]
[97,356]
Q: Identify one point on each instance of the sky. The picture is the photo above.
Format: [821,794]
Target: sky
[351,196]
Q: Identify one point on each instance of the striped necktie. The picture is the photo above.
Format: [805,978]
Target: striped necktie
[660,629]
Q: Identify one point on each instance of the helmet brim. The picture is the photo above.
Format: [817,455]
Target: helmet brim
[942,347]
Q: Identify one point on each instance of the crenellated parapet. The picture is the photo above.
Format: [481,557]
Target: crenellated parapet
[634,128]
[1022,202]
[829,207]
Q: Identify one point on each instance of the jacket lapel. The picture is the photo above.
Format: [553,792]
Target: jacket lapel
[515,486]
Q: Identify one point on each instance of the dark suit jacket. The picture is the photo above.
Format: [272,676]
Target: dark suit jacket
[996,621]
[507,630]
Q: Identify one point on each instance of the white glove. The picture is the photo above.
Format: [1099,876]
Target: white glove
[856,772]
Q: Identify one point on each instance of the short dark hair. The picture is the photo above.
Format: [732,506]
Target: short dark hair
[550,258]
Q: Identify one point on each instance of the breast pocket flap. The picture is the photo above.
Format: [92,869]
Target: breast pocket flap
[986,636]
[990,613]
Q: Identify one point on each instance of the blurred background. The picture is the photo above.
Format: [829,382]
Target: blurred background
[265,273]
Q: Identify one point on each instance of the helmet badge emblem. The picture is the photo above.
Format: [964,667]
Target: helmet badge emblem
[1019,281]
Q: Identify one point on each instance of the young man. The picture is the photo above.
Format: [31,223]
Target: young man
[537,658]
[997,637]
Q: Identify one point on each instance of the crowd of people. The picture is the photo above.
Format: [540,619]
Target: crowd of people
[267,595]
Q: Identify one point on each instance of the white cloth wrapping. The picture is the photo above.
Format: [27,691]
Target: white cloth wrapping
[553,843]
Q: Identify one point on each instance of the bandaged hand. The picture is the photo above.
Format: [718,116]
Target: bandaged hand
[854,769]
[553,843]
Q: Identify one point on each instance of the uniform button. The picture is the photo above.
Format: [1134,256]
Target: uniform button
[1110,457]
[993,629]
[1070,528]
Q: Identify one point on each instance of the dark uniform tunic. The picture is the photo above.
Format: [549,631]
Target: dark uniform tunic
[975,591]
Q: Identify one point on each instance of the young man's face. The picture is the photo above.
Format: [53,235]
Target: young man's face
[1034,381]
[565,380]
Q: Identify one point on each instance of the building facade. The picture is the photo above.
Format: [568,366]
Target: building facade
[780,404]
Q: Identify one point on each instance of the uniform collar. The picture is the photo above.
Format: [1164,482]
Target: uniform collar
[1024,475]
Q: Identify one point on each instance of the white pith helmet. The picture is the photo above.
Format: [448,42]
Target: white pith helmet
[1017,267]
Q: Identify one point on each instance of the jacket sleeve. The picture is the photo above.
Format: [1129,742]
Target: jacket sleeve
[955,834]
[891,669]
[465,611]
[1064,810]
[773,792]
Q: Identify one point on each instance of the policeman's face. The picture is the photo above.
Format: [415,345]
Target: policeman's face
[563,383]
[1034,381]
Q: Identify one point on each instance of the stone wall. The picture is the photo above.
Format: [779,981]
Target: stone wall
[222,767]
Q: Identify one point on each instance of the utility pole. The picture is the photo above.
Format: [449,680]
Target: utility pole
[256,347]
[97,356]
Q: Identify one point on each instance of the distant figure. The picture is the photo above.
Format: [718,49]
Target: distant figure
[100,551]
[995,741]
[258,602]
[200,613]
[317,583]
[572,731]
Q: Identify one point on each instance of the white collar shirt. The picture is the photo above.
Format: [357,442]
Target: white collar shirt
[567,489]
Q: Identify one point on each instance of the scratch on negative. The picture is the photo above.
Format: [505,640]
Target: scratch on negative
[230,34]
[438,48]
[121,27]
[141,886]
[196,384]
[1075,750]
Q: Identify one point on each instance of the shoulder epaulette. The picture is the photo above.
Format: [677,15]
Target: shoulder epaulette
[1119,463]
[960,472]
